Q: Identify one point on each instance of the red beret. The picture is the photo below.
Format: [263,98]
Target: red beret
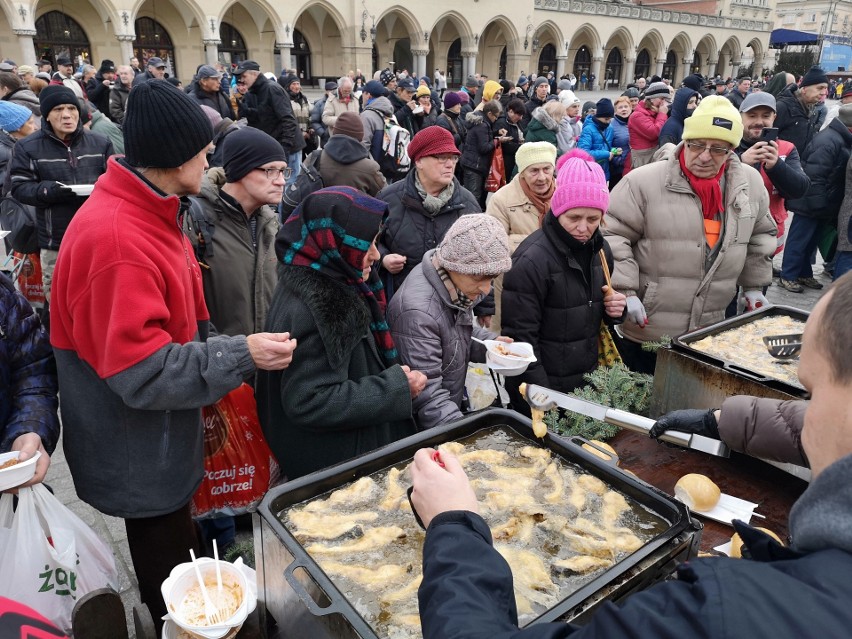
[433,140]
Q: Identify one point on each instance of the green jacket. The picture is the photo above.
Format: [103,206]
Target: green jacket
[337,399]
[240,279]
[107,128]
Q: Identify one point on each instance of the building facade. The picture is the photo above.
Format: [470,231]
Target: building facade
[612,41]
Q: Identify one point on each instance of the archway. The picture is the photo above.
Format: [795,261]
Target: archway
[152,40]
[318,45]
[233,48]
[547,60]
[57,34]
[446,39]
[402,56]
[613,68]
[670,65]
[397,33]
[706,48]
[494,51]
[730,53]
[301,53]
[582,63]
[455,64]
[643,65]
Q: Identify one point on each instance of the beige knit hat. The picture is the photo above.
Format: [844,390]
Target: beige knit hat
[534,153]
[476,244]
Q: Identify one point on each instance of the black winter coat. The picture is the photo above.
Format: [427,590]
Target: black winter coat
[531,105]
[40,160]
[98,93]
[453,123]
[337,399]
[509,148]
[403,114]
[267,107]
[215,101]
[548,302]
[779,594]
[410,230]
[824,162]
[478,144]
[793,121]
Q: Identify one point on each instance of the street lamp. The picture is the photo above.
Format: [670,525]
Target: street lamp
[364,15]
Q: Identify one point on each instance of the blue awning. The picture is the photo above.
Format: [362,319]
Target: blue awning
[783,37]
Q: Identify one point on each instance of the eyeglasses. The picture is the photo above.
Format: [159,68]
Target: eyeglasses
[446,157]
[699,148]
[274,174]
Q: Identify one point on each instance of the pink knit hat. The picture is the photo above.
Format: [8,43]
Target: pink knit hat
[580,181]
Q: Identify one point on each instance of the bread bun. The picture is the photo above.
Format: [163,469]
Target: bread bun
[698,492]
[596,452]
[737,543]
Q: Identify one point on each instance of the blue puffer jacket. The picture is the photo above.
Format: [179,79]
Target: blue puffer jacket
[620,140]
[28,383]
[596,143]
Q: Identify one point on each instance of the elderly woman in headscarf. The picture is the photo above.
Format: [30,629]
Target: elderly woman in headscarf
[346,394]
[521,205]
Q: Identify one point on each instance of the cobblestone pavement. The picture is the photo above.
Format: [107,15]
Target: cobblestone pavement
[112,531]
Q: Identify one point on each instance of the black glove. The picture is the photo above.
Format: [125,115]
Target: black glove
[51,192]
[695,421]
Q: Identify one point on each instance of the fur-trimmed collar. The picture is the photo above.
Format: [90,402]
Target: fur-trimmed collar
[473,118]
[341,316]
[544,118]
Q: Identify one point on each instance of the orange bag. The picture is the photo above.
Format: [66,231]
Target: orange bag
[29,278]
[239,467]
[497,174]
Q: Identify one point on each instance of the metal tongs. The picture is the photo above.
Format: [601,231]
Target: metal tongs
[545,399]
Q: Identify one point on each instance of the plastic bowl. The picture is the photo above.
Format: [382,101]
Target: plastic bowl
[524,351]
[19,473]
[183,578]
[520,366]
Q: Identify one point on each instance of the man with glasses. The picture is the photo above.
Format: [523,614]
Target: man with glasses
[686,231]
[156,70]
[267,107]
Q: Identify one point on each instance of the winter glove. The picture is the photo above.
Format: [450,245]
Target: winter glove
[691,420]
[51,192]
[636,311]
[754,300]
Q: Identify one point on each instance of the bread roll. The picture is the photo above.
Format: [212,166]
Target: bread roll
[737,543]
[698,492]
[599,444]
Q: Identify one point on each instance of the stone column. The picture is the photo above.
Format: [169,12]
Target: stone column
[659,70]
[596,71]
[419,61]
[25,40]
[735,67]
[125,42]
[469,63]
[560,66]
[711,68]
[284,55]
[211,51]
[629,72]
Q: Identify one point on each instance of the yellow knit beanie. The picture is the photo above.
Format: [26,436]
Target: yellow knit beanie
[715,118]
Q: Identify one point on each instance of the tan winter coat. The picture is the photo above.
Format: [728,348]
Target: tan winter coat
[334,108]
[519,217]
[763,427]
[655,228]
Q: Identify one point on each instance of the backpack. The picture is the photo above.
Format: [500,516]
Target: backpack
[308,181]
[390,148]
[20,220]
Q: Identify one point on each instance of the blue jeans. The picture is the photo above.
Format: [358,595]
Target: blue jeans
[294,161]
[842,263]
[800,246]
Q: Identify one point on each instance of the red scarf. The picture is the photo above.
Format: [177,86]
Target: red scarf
[708,190]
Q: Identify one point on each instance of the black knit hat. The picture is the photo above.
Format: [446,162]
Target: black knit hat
[53,95]
[247,149]
[163,127]
[815,75]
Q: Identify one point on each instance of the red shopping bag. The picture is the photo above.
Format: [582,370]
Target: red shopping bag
[239,467]
[29,279]
[497,174]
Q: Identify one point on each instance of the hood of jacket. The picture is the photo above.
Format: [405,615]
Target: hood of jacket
[544,119]
[345,150]
[23,94]
[213,181]
[789,95]
[381,104]
[680,102]
[820,518]
[474,118]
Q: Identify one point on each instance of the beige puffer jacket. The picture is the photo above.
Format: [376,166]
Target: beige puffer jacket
[334,108]
[655,228]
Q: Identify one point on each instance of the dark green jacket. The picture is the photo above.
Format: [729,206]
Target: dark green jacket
[337,399]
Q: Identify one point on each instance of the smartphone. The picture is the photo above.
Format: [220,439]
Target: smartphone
[769,133]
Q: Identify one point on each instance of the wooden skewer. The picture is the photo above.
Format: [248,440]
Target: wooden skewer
[606,272]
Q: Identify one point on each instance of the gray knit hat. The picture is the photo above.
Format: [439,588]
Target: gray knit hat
[657,90]
[476,244]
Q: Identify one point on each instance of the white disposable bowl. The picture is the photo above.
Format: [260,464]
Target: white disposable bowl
[19,473]
[508,361]
[183,578]
[520,366]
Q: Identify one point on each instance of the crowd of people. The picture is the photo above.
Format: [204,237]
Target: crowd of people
[342,256]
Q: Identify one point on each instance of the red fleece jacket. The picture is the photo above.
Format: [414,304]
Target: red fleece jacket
[644,127]
[126,282]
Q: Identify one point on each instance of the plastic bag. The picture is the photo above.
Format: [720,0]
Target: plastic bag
[481,390]
[239,467]
[51,558]
[497,173]
[30,281]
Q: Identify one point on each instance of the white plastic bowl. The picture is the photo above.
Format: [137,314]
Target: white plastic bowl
[519,366]
[19,473]
[183,577]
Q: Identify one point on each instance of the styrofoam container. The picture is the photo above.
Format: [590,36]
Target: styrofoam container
[183,578]
[19,473]
[524,351]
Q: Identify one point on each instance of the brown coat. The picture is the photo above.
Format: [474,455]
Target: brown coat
[655,228]
[344,161]
[767,428]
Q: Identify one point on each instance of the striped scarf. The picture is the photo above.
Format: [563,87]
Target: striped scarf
[331,232]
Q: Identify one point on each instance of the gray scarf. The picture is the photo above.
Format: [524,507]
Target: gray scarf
[822,516]
[434,203]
